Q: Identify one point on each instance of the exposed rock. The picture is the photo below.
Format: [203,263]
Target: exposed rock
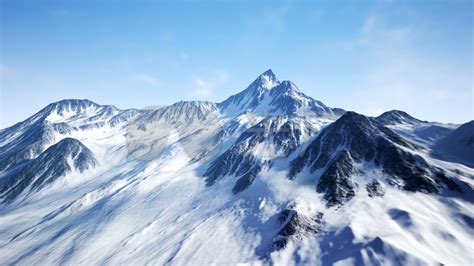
[295,226]
[374,189]
[336,182]
[284,133]
[342,148]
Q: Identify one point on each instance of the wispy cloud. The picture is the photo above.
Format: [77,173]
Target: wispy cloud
[202,87]
[7,72]
[205,86]
[375,35]
[146,78]
[271,20]
[399,75]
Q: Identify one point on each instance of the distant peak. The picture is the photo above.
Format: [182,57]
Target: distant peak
[394,117]
[396,112]
[68,105]
[74,102]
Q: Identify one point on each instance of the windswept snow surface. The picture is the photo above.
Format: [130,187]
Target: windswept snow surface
[146,201]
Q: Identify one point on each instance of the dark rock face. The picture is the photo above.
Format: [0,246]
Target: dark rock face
[354,140]
[359,134]
[374,189]
[246,180]
[336,182]
[406,170]
[285,133]
[46,168]
[295,226]
[24,146]
[236,160]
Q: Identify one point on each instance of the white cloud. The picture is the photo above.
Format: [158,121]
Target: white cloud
[147,79]
[205,86]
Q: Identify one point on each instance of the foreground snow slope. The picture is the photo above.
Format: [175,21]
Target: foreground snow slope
[269,175]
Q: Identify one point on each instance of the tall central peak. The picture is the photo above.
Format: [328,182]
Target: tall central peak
[266,80]
[266,95]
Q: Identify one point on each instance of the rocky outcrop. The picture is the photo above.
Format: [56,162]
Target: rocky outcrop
[243,160]
[342,149]
[295,226]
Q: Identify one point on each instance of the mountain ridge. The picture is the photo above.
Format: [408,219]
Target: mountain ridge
[267,176]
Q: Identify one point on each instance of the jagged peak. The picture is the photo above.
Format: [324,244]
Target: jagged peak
[268,72]
[268,95]
[194,103]
[252,95]
[187,106]
[287,87]
[268,79]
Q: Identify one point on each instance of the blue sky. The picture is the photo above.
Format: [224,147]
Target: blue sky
[358,55]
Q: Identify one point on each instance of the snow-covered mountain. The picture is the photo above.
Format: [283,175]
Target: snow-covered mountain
[55,162]
[458,145]
[267,96]
[268,176]
[422,132]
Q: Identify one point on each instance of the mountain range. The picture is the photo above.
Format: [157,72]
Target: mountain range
[267,176]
